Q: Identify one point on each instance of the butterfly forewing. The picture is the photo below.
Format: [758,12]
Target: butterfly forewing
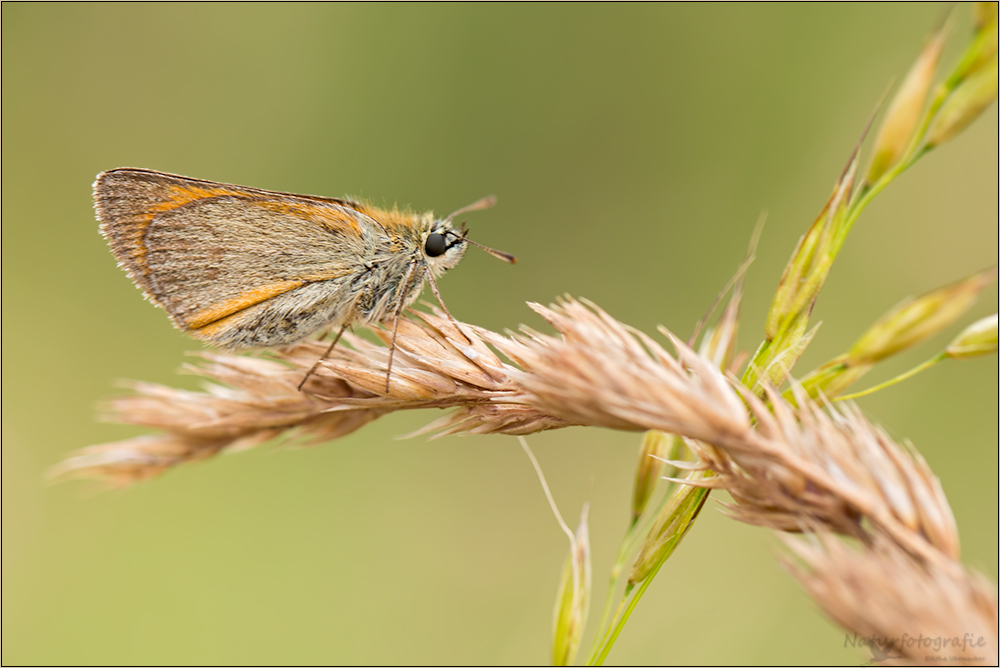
[210,252]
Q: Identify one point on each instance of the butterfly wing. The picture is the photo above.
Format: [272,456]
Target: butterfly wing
[226,260]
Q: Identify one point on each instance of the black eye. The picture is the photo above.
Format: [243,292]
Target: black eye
[435,245]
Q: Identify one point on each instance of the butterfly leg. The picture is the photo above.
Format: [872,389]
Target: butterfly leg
[395,320]
[325,355]
[434,289]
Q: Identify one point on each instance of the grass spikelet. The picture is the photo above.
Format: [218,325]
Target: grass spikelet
[903,610]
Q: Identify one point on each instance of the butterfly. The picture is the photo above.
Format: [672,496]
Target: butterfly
[243,268]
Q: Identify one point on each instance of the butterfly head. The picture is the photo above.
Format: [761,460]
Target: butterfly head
[444,245]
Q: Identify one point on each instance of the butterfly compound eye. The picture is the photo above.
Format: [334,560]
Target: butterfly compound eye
[435,245]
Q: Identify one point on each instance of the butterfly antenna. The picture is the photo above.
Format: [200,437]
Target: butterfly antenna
[484,203]
[500,255]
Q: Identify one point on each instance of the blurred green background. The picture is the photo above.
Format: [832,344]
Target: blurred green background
[632,149]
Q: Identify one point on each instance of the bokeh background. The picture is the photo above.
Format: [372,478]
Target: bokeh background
[632,149]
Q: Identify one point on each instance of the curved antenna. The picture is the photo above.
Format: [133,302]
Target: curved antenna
[500,255]
[484,203]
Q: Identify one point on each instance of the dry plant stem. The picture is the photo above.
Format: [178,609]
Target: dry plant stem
[548,495]
[795,469]
[834,469]
[887,597]
[598,374]
[800,469]
[253,400]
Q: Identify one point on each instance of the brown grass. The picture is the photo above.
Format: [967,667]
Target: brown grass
[794,468]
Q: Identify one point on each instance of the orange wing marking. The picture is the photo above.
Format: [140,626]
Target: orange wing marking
[180,195]
[326,216]
[219,311]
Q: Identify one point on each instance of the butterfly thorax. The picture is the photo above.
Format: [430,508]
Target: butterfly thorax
[396,270]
